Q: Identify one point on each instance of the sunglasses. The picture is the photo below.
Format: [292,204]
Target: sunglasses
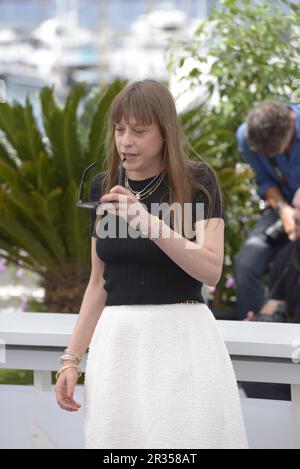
[95,203]
[79,202]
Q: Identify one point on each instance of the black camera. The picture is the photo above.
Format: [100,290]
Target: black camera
[275,233]
[279,315]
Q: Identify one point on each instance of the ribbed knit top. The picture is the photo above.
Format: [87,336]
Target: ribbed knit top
[136,270]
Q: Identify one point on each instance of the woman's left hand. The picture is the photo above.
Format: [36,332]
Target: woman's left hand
[120,201]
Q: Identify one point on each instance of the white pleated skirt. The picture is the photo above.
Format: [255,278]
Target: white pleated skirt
[160,376]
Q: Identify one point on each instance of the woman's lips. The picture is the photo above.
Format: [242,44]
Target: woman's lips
[130,157]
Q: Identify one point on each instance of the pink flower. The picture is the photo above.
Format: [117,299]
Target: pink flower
[20,273]
[24,303]
[2,265]
[230,282]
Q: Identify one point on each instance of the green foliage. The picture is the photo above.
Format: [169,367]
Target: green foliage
[25,377]
[244,52]
[19,377]
[40,171]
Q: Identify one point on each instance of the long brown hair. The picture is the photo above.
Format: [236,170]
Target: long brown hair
[150,101]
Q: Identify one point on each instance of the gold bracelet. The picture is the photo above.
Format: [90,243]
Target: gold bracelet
[160,230]
[68,357]
[71,352]
[155,220]
[65,368]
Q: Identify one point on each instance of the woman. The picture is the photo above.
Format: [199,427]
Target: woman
[158,373]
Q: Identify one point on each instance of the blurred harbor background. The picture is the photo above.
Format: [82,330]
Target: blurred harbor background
[66,41]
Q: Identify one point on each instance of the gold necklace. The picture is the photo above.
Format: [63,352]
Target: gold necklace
[143,190]
[141,195]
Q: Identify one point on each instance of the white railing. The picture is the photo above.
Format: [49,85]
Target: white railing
[260,352]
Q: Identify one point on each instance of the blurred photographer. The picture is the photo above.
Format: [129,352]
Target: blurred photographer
[270,142]
[282,305]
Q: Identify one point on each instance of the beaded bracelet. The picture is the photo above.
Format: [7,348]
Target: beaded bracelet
[68,357]
[65,368]
[71,352]
[156,221]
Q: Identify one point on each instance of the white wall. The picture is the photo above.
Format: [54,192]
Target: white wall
[32,419]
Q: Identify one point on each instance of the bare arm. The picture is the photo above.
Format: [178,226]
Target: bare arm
[202,259]
[266,310]
[273,196]
[92,305]
[286,212]
[270,306]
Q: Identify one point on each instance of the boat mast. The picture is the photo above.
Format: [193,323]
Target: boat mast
[61,8]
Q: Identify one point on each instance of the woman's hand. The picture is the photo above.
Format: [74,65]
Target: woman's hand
[64,389]
[120,201]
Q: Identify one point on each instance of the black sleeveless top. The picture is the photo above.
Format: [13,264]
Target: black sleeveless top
[136,270]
